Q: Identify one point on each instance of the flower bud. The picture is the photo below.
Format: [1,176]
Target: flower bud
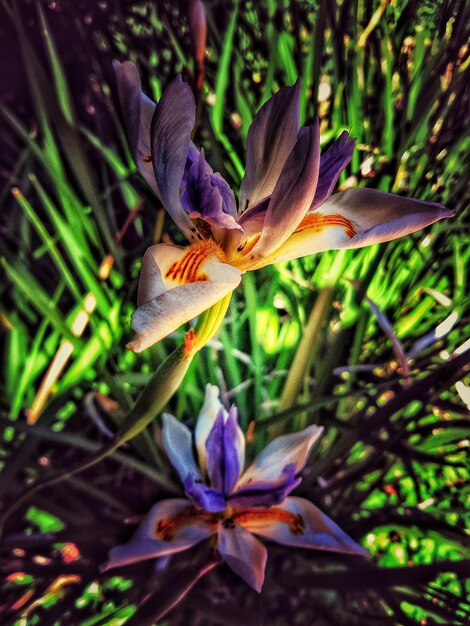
[197,29]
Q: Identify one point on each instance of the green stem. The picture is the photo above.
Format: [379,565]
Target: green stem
[209,322]
[303,357]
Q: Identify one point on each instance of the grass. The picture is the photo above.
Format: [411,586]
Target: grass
[301,342]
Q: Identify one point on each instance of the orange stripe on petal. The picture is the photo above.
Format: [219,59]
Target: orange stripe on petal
[260,517]
[167,528]
[187,269]
[317,222]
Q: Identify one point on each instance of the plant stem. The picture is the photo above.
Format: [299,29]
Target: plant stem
[303,357]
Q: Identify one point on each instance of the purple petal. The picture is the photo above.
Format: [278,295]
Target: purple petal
[264,494]
[137,111]
[205,422]
[223,464]
[271,139]
[162,532]
[293,194]
[172,124]
[178,444]
[206,195]
[232,467]
[304,526]
[203,496]
[332,163]
[252,220]
[243,553]
[285,456]
[215,453]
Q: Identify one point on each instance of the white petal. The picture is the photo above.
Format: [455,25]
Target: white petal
[244,554]
[156,262]
[178,444]
[176,287]
[358,218]
[378,216]
[146,544]
[288,450]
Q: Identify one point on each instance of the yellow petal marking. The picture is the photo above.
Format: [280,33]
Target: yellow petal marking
[187,269]
[317,222]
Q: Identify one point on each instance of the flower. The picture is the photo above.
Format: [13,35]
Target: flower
[285,208]
[229,504]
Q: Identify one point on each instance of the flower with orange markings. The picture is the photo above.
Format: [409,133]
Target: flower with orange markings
[285,209]
[229,504]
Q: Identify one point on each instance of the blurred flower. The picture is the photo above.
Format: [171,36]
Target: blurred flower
[229,504]
[285,207]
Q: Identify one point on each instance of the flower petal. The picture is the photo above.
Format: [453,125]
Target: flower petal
[137,111]
[271,138]
[172,124]
[223,447]
[265,494]
[300,523]
[332,163]
[203,496]
[234,450]
[206,195]
[293,194]
[244,554]
[177,284]
[205,422]
[178,444]
[379,216]
[170,526]
[284,457]
[358,218]
[215,453]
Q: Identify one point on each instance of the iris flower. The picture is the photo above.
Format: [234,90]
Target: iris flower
[229,504]
[285,208]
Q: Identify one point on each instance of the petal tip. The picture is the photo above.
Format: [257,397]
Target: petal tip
[212,392]
[135,345]
[166,419]
[445,212]
[364,552]
[105,567]
[357,550]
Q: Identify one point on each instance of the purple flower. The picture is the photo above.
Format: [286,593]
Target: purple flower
[285,208]
[230,504]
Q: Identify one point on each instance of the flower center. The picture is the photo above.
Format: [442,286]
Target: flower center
[251,518]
